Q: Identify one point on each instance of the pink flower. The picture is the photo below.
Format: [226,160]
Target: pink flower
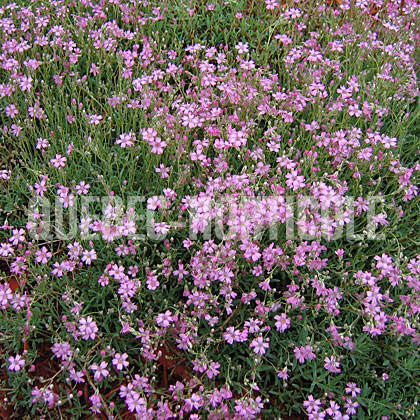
[163,170]
[253,325]
[76,376]
[351,406]
[88,328]
[250,250]
[282,374]
[94,69]
[332,364]
[196,401]
[42,143]
[95,399]
[304,352]
[312,405]
[213,370]
[149,134]
[16,363]
[283,323]
[40,188]
[309,354]
[299,354]
[181,272]
[82,188]
[120,361]
[162,228]
[259,345]
[11,110]
[340,253]
[380,219]
[58,161]
[62,350]
[157,145]
[126,140]
[5,174]
[152,282]
[100,371]
[295,181]
[89,256]
[95,119]
[271,4]
[164,320]
[242,47]
[17,236]
[6,250]
[231,335]
[352,389]
[334,410]
[25,83]
[135,402]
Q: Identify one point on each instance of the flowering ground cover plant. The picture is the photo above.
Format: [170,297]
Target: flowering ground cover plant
[210,210]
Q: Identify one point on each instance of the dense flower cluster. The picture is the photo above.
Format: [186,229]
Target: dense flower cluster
[279,179]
